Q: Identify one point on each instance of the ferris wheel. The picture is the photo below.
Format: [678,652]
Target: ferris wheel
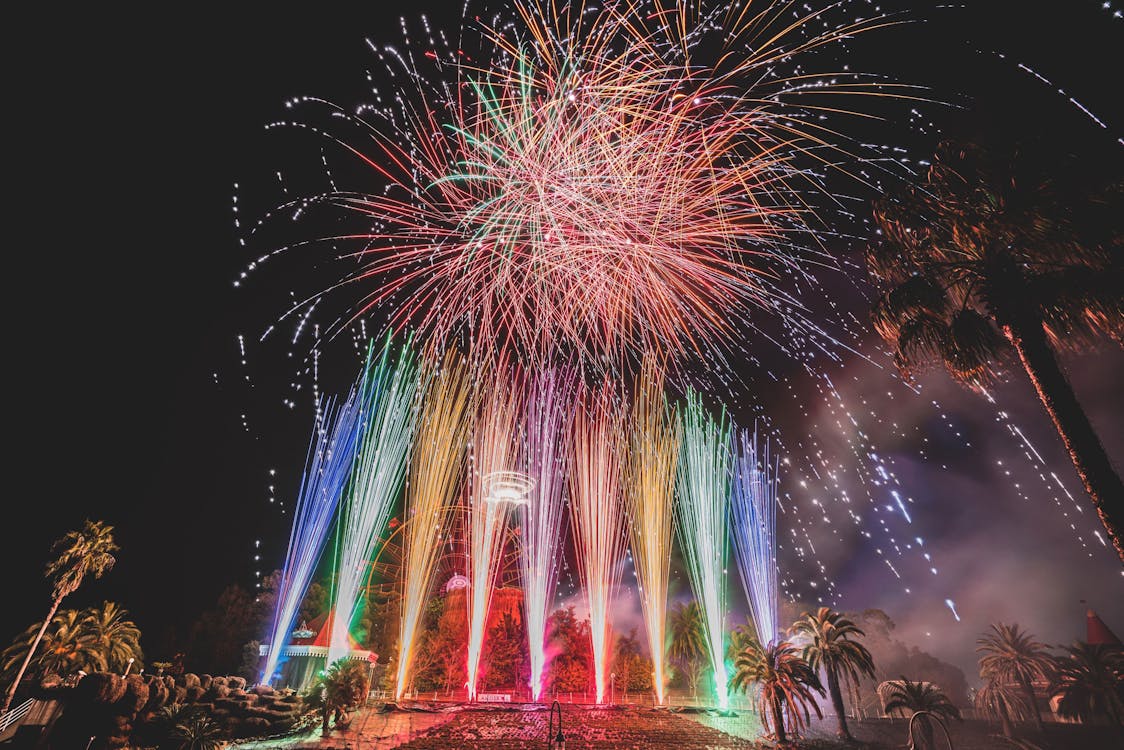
[384,578]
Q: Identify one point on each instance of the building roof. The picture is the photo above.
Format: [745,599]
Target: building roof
[1096,632]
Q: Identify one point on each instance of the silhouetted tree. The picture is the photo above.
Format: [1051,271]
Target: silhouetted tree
[86,552]
[1090,681]
[1011,655]
[831,648]
[785,685]
[926,701]
[1000,249]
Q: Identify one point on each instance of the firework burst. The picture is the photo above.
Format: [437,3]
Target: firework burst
[590,185]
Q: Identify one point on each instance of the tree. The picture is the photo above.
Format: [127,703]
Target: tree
[633,669]
[925,702]
[996,701]
[1090,681]
[785,685]
[219,634]
[507,657]
[571,669]
[832,649]
[688,646]
[86,552]
[197,731]
[117,638]
[1011,655]
[1000,251]
[341,688]
[66,645]
[893,657]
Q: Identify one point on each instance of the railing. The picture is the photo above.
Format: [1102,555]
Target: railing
[15,714]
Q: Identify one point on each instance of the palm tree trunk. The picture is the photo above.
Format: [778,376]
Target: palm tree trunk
[1005,721]
[778,721]
[1102,482]
[837,701]
[27,659]
[1029,690]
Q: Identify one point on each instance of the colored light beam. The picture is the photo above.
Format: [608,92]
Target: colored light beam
[650,494]
[388,392]
[597,512]
[754,530]
[327,469]
[548,414]
[435,469]
[495,487]
[703,484]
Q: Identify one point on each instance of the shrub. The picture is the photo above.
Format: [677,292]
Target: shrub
[100,687]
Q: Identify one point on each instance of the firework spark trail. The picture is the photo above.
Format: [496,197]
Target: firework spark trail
[703,485]
[495,487]
[650,494]
[548,413]
[753,528]
[389,408]
[435,470]
[327,469]
[598,522]
[589,183]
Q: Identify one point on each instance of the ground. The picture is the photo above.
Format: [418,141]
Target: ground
[524,727]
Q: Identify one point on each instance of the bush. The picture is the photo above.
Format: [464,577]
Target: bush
[218,691]
[205,681]
[157,694]
[135,697]
[101,688]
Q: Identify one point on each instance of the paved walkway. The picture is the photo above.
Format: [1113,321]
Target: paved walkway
[524,727]
[584,729]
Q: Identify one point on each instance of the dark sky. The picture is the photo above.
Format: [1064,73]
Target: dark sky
[125,139]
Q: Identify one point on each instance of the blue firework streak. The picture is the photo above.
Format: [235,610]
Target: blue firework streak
[327,469]
[754,530]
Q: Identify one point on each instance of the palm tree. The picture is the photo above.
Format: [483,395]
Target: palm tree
[1090,681]
[785,683]
[688,642]
[65,646]
[841,658]
[88,551]
[995,701]
[1011,655]
[197,731]
[116,636]
[342,687]
[927,704]
[740,637]
[998,252]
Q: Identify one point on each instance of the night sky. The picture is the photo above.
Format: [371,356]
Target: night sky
[126,393]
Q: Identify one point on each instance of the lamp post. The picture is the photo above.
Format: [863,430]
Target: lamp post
[555,741]
[612,688]
[128,667]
